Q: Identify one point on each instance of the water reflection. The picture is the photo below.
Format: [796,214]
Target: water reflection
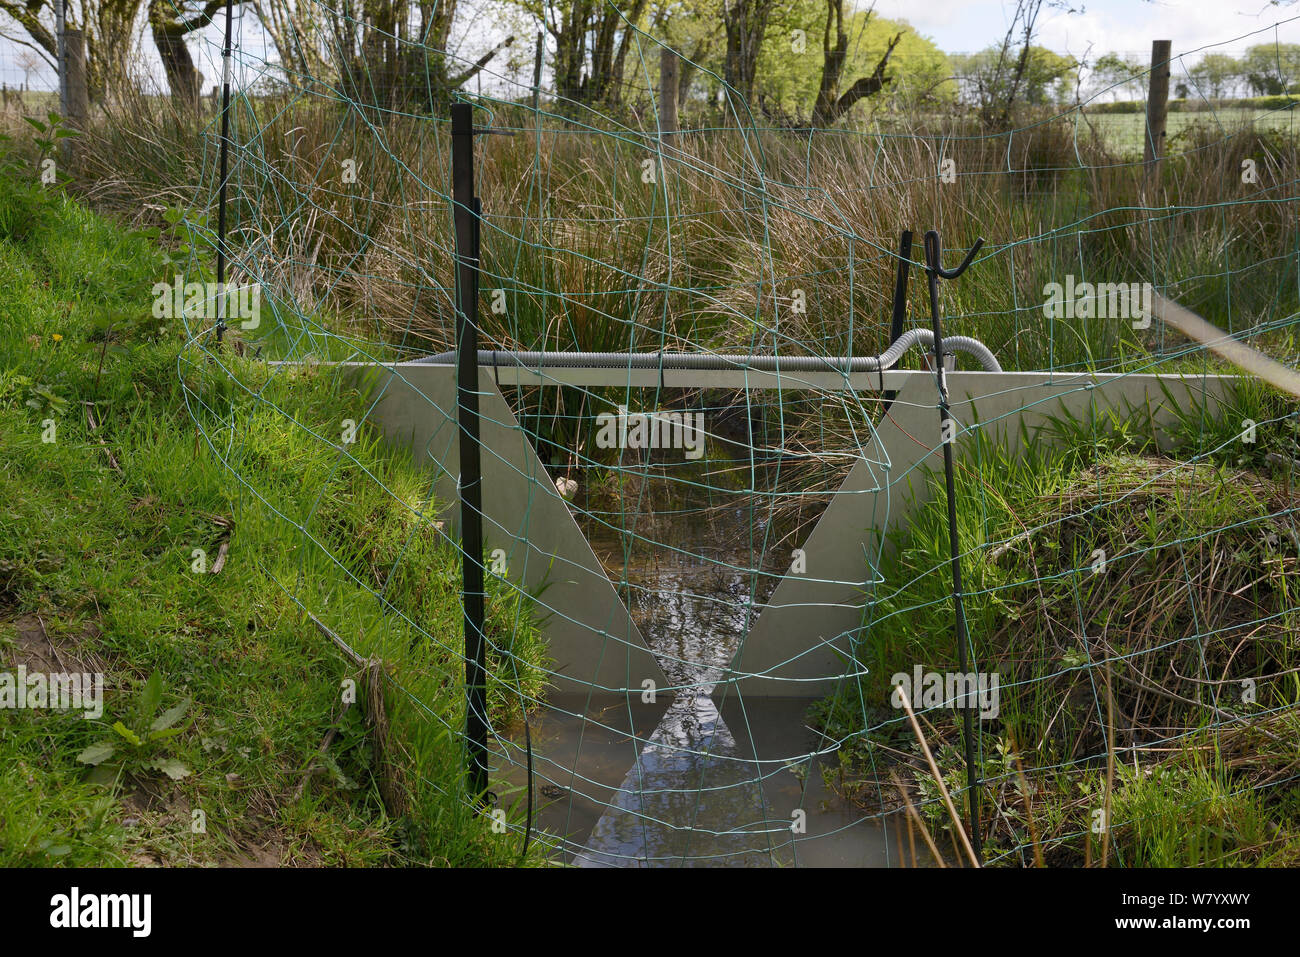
[693,796]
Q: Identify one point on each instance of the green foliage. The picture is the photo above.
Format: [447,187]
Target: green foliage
[138,747]
[921,72]
[102,555]
[1215,74]
[993,80]
[1272,68]
[22,211]
[37,396]
[190,242]
[56,821]
[1189,814]
[1040,615]
[1114,73]
[50,132]
[1195,105]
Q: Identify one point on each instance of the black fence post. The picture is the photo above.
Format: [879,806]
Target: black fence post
[466,211]
[226,54]
[900,304]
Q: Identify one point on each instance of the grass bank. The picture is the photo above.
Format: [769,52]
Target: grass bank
[164,521]
[1139,607]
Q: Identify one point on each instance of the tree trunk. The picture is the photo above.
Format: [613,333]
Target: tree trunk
[830,105]
[109,49]
[833,55]
[686,72]
[620,61]
[571,52]
[178,66]
[745,22]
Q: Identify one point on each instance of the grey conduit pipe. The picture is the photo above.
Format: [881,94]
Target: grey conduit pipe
[704,360]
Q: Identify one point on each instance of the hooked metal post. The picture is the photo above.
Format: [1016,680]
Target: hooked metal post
[934,272]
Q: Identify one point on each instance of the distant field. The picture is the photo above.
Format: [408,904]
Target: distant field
[1125,131]
[32,102]
[41,99]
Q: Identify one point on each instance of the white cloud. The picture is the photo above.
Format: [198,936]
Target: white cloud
[1118,25]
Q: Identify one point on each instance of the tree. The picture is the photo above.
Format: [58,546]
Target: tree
[389,52]
[29,61]
[1039,76]
[592,39]
[745,22]
[299,31]
[920,74]
[999,77]
[170,22]
[831,104]
[605,80]
[1272,68]
[107,25]
[1124,75]
[692,30]
[1216,75]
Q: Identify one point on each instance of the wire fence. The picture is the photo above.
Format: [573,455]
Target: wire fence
[1117,670]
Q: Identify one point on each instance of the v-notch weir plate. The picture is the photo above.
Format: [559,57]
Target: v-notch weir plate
[801,644]
[595,645]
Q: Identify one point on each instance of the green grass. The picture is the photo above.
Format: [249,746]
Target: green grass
[1193,814]
[98,530]
[1196,594]
[1126,132]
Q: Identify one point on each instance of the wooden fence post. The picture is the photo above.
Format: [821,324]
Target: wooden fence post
[78,106]
[1157,112]
[668,67]
[537,68]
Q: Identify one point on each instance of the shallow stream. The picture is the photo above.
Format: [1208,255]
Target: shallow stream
[708,786]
